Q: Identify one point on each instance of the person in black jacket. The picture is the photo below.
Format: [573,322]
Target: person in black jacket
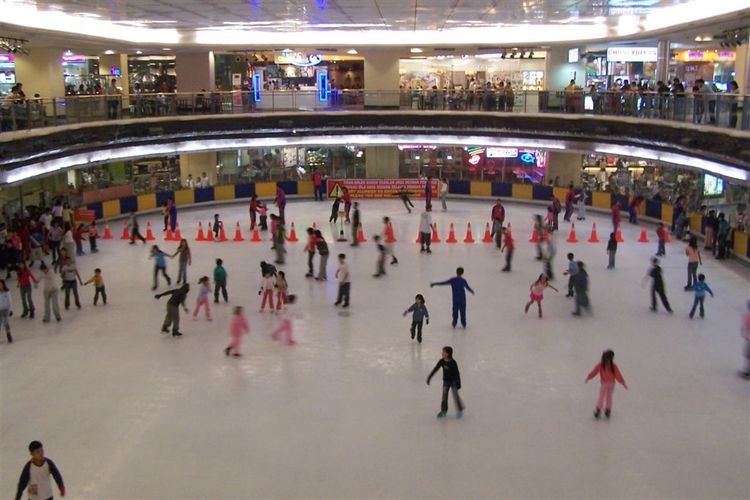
[451,380]
[657,286]
[176,299]
[356,220]
[580,283]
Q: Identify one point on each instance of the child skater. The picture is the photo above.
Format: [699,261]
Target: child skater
[661,236]
[570,273]
[322,248]
[700,288]
[451,381]
[238,329]
[382,252]
[537,293]
[458,291]
[611,250]
[98,280]
[36,475]
[185,260]
[5,311]
[204,290]
[266,290]
[263,216]
[508,247]
[608,373]
[160,265]
[286,325]
[218,225]
[388,246]
[418,313]
[93,236]
[220,281]
[177,298]
[310,248]
[282,287]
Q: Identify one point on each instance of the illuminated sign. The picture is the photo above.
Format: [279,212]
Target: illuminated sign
[73,59]
[527,157]
[298,59]
[474,159]
[573,55]
[631,54]
[502,152]
[115,71]
[403,147]
[257,84]
[705,55]
[7,58]
[323,85]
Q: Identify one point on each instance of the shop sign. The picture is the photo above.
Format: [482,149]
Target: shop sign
[420,147]
[502,152]
[705,55]
[73,59]
[378,188]
[573,55]
[7,58]
[631,54]
[298,58]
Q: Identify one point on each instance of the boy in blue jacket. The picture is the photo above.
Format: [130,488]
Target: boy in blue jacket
[458,284]
[700,288]
[418,314]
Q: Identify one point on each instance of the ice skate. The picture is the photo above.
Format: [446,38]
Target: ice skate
[441,414]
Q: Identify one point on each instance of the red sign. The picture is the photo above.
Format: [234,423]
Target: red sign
[85,215]
[379,188]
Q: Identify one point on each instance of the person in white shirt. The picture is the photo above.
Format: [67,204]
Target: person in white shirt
[189,184]
[36,475]
[113,99]
[204,181]
[443,193]
[51,288]
[425,231]
[46,219]
[342,275]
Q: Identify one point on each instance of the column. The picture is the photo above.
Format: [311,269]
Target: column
[195,71]
[742,68]
[381,79]
[559,72]
[107,63]
[381,162]
[565,165]
[41,72]
[196,164]
[662,60]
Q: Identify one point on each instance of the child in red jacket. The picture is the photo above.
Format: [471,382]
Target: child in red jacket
[608,374]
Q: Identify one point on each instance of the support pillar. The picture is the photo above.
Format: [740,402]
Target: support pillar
[195,71]
[382,79]
[381,162]
[196,164]
[559,72]
[566,166]
[662,61]
[41,72]
[106,63]
[742,68]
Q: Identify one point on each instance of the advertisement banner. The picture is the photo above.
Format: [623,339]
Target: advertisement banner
[379,188]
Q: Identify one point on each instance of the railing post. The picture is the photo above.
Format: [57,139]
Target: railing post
[54,110]
[13,116]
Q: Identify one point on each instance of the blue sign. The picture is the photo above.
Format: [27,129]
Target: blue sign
[323,85]
[527,158]
[257,84]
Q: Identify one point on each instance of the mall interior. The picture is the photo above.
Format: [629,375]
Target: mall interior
[126,109]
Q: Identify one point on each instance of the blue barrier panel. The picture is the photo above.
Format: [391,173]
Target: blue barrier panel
[162,197]
[623,199]
[502,189]
[97,208]
[459,187]
[539,192]
[244,190]
[289,187]
[128,204]
[653,209]
[204,194]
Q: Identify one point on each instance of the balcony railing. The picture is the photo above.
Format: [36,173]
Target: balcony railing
[731,111]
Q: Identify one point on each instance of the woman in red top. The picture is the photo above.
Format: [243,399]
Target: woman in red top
[25,277]
[608,374]
[615,216]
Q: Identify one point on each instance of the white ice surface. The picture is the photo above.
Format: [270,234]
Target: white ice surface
[129,413]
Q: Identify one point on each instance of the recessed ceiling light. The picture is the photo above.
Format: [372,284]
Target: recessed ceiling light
[416,50]
[352,52]
[139,52]
[109,52]
[166,48]
[68,52]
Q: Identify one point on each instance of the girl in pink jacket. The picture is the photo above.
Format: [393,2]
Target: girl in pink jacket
[608,374]
[238,328]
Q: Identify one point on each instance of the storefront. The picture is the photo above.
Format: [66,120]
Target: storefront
[630,64]
[152,74]
[81,74]
[7,73]
[713,66]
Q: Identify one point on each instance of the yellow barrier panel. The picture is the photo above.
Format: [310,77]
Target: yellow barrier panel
[695,223]
[184,197]
[523,191]
[642,208]
[265,189]
[560,193]
[666,213]
[111,208]
[146,201]
[479,188]
[305,187]
[740,243]
[601,200]
[222,193]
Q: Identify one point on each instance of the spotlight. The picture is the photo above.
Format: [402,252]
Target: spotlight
[13,45]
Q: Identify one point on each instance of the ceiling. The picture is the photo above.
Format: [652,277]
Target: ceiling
[227,23]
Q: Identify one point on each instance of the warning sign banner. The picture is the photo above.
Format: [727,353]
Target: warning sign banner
[380,188]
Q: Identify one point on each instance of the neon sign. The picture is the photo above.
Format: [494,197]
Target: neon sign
[298,59]
[528,157]
[256,86]
[323,85]
[502,152]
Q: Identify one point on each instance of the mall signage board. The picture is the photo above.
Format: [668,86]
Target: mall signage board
[573,55]
[493,152]
[297,58]
[631,54]
[379,188]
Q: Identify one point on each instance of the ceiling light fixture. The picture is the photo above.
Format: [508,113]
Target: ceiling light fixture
[13,45]
[352,52]
[109,52]
[139,52]
[166,48]
[416,50]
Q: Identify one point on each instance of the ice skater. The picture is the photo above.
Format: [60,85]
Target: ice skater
[570,272]
[262,216]
[356,221]
[70,281]
[608,373]
[177,298]
[616,218]
[581,204]
[238,328]
[335,207]
[745,335]
[443,193]
[204,290]
[286,326]
[451,381]
[25,280]
[549,255]
[508,247]
[611,250]
[322,247]
[185,259]
[428,194]
[657,285]
[382,253]
[36,474]
[694,260]
[581,287]
[220,282]
[425,232]
[5,310]
[99,290]
[537,293]
[266,291]
[347,205]
[93,236]
[419,314]
[310,248]
[279,239]
[539,230]
[51,291]
[280,202]
[404,195]
[661,238]
[458,286]
[345,285]
[388,246]
[134,232]
[282,289]
[700,288]
[172,208]
[160,265]
[218,226]
[498,219]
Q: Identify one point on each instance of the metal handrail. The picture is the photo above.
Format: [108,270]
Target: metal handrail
[725,110]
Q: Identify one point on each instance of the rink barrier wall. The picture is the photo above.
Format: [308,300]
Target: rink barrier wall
[654,211]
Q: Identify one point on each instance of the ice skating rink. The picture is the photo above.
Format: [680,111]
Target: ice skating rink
[129,413]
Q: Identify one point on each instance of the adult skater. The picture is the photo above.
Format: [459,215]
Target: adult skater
[345,285]
[556,209]
[317,180]
[570,272]
[356,221]
[172,214]
[498,219]
[322,247]
[279,238]
[36,475]
[570,196]
[581,286]
[253,211]
[616,217]
[425,231]
[310,248]
[539,230]
[657,285]
[134,232]
[335,210]
[384,236]
[694,260]
[347,204]
[608,373]
[280,202]
[451,381]
[404,195]
[177,298]
[458,284]
[444,193]
[508,247]
[581,204]
[428,193]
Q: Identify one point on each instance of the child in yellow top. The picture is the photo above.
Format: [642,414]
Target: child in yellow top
[98,280]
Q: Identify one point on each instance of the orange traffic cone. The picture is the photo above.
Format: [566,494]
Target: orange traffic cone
[572,236]
[222,235]
[169,236]
[534,235]
[209,233]
[292,235]
[451,236]
[644,236]
[107,233]
[389,237]
[435,236]
[594,238]
[238,233]
[177,236]
[618,235]
[419,237]
[200,236]
[256,235]
[469,235]
[125,234]
[487,234]
[361,234]
[667,236]
[149,233]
